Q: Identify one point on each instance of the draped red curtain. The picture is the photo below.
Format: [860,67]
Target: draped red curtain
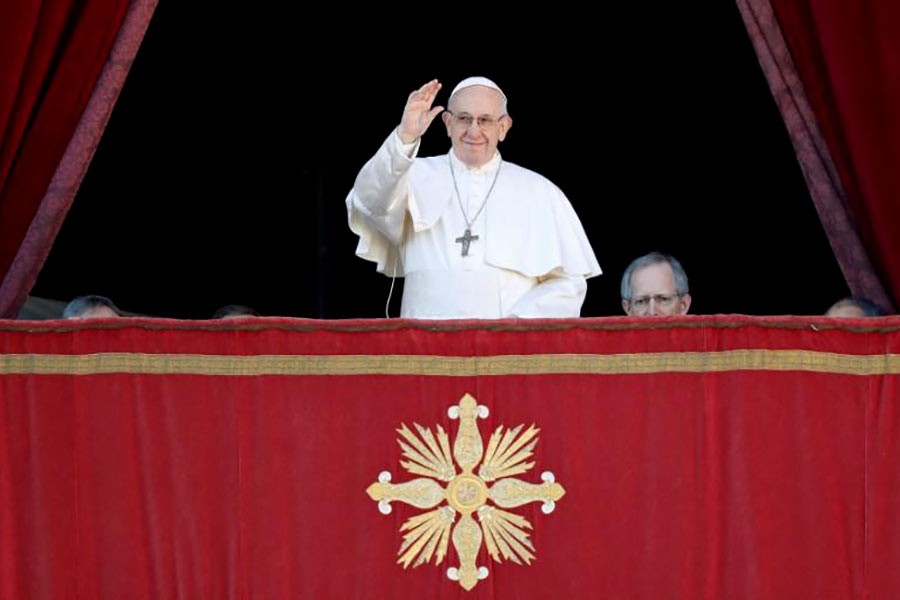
[700,457]
[64,62]
[832,66]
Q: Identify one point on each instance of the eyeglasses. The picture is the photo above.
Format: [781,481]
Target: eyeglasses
[485,122]
[662,300]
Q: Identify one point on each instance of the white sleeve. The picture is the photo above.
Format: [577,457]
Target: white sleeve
[556,296]
[377,204]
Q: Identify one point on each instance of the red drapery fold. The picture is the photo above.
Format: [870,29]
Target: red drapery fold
[832,66]
[702,458]
[64,64]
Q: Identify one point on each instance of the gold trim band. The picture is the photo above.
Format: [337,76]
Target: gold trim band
[451,366]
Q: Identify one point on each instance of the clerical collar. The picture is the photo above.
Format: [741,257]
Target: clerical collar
[488,167]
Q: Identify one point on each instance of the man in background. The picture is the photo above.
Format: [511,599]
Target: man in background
[855,307]
[91,307]
[655,285]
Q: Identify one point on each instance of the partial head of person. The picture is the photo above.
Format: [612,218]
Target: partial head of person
[91,307]
[476,119]
[233,311]
[855,307]
[655,285]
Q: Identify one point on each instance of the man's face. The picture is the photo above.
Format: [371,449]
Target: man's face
[653,293]
[476,124]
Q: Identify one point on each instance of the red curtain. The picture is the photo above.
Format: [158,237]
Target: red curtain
[832,66]
[701,457]
[64,64]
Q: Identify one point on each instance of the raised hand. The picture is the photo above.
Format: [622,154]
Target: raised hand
[418,113]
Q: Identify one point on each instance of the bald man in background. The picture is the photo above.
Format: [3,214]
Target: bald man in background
[855,307]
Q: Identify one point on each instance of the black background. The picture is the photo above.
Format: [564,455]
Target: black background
[222,174]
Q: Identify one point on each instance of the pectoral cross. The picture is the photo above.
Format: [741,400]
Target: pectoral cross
[466,239]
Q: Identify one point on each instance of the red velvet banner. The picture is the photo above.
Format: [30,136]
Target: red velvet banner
[693,457]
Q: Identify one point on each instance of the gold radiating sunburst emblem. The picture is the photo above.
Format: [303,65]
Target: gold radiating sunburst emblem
[465,494]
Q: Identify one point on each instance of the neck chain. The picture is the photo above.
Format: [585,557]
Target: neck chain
[467,238]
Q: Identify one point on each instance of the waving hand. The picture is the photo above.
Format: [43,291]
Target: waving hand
[418,113]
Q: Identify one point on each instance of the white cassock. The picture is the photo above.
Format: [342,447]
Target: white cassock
[531,258]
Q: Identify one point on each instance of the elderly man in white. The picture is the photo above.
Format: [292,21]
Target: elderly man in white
[475,237]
